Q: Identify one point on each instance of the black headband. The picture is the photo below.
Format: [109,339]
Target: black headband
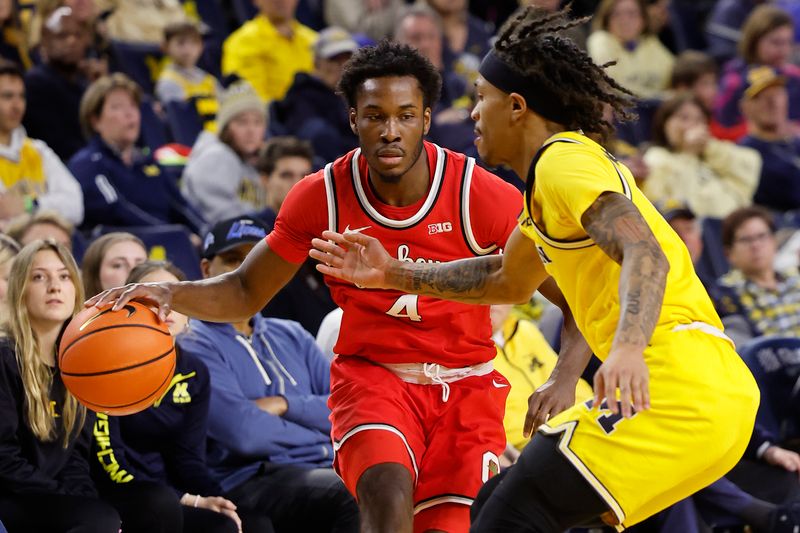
[537,96]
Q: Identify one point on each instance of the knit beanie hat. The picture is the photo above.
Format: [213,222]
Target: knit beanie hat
[237,98]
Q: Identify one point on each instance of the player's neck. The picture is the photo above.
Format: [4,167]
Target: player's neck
[245,328]
[408,189]
[535,133]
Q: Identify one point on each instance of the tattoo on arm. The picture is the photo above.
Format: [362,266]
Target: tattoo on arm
[619,229]
[465,280]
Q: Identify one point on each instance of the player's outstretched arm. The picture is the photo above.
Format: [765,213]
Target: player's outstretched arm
[619,229]
[361,259]
[230,297]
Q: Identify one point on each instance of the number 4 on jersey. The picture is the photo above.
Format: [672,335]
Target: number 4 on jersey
[406,307]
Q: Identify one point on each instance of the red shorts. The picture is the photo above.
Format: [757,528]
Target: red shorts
[450,448]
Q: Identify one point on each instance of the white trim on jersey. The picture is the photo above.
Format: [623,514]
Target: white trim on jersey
[442,499]
[465,212]
[383,427]
[419,215]
[330,196]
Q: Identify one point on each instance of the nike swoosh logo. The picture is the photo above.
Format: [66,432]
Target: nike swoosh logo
[358,230]
[129,308]
[499,385]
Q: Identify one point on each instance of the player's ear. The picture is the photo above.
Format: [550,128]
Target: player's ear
[426,120]
[353,125]
[518,106]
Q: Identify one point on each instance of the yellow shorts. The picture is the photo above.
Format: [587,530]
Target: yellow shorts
[703,402]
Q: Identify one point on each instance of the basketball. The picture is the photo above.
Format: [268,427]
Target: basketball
[117,362]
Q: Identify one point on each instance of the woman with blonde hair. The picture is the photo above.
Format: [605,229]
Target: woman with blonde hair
[9,248]
[44,432]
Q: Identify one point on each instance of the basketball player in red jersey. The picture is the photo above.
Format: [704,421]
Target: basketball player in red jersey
[417,409]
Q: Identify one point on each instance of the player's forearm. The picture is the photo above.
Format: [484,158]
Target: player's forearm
[474,280]
[574,354]
[219,299]
[641,294]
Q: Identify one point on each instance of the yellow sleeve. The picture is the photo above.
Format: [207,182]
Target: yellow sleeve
[569,178]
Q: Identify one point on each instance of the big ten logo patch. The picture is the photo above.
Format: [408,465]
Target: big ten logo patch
[440,227]
[491,466]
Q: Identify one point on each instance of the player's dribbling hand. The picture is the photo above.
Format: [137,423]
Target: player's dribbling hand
[353,257]
[546,402]
[155,294]
[624,369]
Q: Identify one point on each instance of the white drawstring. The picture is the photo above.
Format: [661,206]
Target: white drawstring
[428,371]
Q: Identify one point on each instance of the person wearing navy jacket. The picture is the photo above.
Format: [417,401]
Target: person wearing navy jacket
[269,434]
[123,186]
[165,444]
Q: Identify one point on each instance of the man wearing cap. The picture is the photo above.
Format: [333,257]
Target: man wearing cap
[765,106]
[269,445]
[311,109]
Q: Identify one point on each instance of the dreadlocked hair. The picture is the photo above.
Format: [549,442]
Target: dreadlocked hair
[532,43]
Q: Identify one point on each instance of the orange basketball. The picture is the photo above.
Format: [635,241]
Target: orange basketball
[117,362]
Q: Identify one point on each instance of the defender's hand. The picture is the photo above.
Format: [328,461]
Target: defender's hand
[353,257]
[546,402]
[625,370]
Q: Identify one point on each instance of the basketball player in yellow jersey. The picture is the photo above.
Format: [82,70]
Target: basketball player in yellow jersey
[674,405]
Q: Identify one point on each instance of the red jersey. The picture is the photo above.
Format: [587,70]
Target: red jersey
[467,212]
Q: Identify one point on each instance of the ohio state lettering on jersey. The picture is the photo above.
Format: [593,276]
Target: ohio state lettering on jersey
[466,212]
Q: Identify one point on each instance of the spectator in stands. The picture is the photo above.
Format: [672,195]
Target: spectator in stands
[376,19]
[270,49]
[466,37]
[305,299]
[420,27]
[311,109]
[45,433]
[687,165]
[41,225]
[754,299]
[767,39]
[282,162]
[269,433]
[723,28]
[142,21]
[526,360]
[659,25]
[109,260]
[13,46]
[698,73]
[220,178]
[123,186]
[9,248]
[55,86]
[621,33]
[33,177]
[182,80]
[166,443]
[765,105]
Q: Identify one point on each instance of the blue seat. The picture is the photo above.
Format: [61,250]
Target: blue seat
[170,242]
[139,61]
[213,16]
[775,364]
[154,132]
[184,122]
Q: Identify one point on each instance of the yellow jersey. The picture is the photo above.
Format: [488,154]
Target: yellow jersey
[568,174]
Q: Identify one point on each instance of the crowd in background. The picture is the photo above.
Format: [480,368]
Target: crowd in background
[138,131]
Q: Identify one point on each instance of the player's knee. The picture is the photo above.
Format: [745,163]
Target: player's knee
[385,484]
